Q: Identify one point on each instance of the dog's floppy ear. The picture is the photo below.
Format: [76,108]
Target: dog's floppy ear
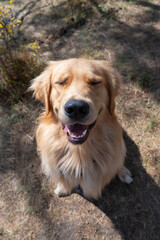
[113,82]
[41,86]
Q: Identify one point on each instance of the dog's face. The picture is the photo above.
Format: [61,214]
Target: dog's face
[77,91]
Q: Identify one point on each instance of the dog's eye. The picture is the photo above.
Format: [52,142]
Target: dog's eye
[93,83]
[61,83]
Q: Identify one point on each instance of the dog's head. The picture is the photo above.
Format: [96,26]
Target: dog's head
[76,91]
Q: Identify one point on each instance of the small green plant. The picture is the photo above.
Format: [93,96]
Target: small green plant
[18,63]
[101,9]
[78,9]
[31,211]
[152,124]
[8,30]
[145,80]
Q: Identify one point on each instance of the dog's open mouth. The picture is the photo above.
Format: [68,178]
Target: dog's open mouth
[77,133]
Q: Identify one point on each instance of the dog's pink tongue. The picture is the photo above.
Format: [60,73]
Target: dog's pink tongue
[76,129]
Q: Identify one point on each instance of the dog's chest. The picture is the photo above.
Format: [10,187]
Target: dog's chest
[78,160]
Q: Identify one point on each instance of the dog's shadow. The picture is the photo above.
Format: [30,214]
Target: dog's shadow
[134,209]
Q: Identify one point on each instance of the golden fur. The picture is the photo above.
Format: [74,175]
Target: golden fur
[94,163]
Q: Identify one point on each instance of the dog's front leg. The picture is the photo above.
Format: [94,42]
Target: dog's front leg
[125,175]
[62,189]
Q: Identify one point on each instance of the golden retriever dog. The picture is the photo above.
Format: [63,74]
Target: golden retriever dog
[79,139]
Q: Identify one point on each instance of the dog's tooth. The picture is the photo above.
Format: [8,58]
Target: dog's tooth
[84,133]
[75,136]
[70,133]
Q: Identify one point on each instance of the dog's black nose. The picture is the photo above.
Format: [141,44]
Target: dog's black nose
[77,109]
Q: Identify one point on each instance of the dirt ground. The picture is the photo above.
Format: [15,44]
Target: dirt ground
[126,33]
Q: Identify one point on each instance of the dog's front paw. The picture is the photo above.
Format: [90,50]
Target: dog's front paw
[125,175]
[61,191]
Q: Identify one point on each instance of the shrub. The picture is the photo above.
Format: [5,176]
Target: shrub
[18,63]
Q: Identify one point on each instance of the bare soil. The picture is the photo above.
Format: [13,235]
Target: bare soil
[126,33]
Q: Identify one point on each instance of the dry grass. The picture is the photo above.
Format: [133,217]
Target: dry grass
[28,208]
